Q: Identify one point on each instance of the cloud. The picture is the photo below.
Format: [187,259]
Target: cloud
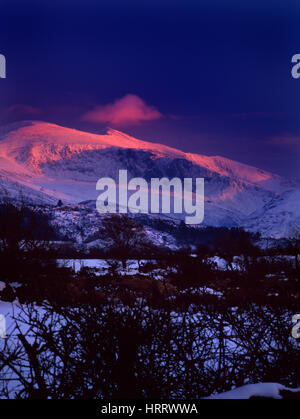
[285,140]
[20,111]
[129,110]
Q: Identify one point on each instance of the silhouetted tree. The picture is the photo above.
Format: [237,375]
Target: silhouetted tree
[125,234]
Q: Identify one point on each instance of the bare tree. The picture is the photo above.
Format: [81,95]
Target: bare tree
[125,235]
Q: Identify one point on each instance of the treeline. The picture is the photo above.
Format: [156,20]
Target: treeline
[196,236]
[28,259]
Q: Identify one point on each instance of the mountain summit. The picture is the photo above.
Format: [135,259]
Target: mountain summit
[34,143]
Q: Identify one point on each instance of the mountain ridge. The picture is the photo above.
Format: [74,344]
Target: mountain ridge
[51,133]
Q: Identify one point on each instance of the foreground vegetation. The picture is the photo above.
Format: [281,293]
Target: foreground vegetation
[195,330]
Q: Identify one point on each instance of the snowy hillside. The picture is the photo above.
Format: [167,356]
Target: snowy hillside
[280,217]
[49,162]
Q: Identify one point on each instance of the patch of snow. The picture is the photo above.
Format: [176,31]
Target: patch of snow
[268,390]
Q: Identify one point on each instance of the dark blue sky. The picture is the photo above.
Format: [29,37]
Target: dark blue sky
[218,71]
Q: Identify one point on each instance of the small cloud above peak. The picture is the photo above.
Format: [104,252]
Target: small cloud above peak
[128,110]
[19,111]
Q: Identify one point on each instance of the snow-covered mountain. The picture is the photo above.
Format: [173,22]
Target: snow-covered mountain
[278,218]
[49,162]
